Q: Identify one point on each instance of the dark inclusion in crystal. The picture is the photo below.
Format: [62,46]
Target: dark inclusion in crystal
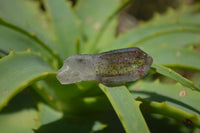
[113,67]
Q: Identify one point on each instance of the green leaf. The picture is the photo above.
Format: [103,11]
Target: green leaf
[172,40]
[88,123]
[71,98]
[173,75]
[98,126]
[23,39]
[126,108]
[175,57]
[176,95]
[45,111]
[169,29]
[146,33]
[107,37]
[57,95]
[170,111]
[18,122]
[19,70]
[65,26]
[20,115]
[93,18]
[94,43]
[27,13]
[185,14]
[46,122]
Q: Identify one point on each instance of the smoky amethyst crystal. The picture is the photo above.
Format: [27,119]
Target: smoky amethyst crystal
[112,67]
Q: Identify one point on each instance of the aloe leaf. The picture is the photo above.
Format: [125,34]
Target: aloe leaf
[47,118]
[173,75]
[65,26]
[57,95]
[126,108]
[27,13]
[57,117]
[21,121]
[94,44]
[175,95]
[71,98]
[164,30]
[137,36]
[170,111]
[107,37]
[175,57]
[19,70]
[45,111]
[80,124]
[20,115]
[173,40]
[22,39]
[185,14]
[93,18]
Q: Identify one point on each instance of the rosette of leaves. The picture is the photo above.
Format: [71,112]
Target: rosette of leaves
[34,43]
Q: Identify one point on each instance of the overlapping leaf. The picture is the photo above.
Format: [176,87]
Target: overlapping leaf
[93,18]
[148,32]
[20,114]
[126,108]
[176,95]
[185,14]
[72,98]
[19,70]
[45,111]
[175,76]
[19,38]
[176,57]
[94,44]
[27,13]
[167,110]
[21,121]
[65,26]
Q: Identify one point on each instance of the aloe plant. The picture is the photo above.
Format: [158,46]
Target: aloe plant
[34,43]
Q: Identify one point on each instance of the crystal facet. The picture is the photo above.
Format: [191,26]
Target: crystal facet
[113,67]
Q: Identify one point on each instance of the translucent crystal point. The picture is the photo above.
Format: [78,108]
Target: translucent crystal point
[77,68]
[113,67]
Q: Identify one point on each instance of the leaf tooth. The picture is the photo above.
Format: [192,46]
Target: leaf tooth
[11,51]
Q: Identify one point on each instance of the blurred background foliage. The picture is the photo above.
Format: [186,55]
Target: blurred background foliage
[32,100]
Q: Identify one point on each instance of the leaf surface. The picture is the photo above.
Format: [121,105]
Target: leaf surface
[27,13]
[17,122]
[177,77]
[126,108]
[19,70]
[185,14]
[93,18]
[175,57]
[176,95]
[148,32]
[71,98]
[23,39]
[20,114]
[65,26]
[45,111]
